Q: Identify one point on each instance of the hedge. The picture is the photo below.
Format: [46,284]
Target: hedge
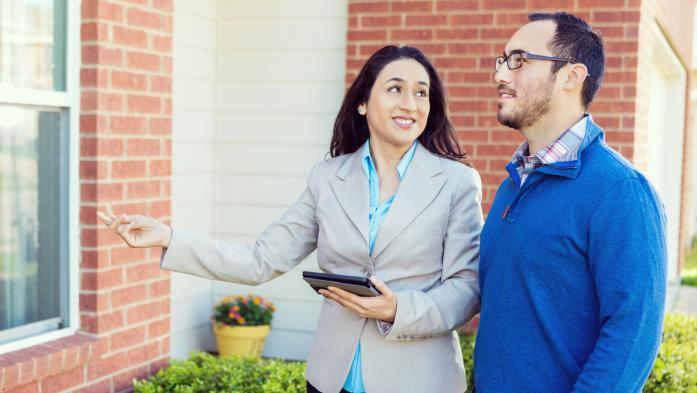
[204,373]
[675,370]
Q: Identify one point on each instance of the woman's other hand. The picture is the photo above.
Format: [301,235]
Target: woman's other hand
[383,307]
[138,231]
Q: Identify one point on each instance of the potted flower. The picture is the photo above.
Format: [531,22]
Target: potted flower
[241,324]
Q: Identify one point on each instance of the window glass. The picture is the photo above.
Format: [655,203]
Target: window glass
[33,220]
[33,43]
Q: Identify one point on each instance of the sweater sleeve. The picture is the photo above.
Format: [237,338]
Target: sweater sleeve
[627,259]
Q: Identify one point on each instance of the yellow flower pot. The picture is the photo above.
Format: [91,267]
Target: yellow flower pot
[240,340]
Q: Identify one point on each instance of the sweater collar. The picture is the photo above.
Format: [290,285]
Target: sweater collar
[571,168]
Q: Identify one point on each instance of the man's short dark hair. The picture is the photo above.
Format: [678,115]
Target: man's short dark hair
[575,39]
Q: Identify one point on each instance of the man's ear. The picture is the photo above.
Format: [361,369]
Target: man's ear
[576,74]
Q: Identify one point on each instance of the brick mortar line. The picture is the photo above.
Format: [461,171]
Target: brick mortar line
[111,42]
[109,334]
[126,326]
[125,68]
[127,4]
[126,181]
[112,158]
[110,67]
[124,22]
[89,89]
[127,137]
[125,309]
[120,266]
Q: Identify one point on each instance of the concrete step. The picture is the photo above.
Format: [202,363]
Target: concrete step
[686,301]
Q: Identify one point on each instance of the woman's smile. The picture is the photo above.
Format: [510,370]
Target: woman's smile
[404,122]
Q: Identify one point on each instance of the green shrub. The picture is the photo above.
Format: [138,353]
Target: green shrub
[467,345]
[689,274]
[675,370]
[285,377]
[204,373]
[690,278]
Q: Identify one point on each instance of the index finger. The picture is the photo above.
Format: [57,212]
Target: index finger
[105,218]
[345,294]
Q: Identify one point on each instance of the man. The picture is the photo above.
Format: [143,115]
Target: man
[573,253]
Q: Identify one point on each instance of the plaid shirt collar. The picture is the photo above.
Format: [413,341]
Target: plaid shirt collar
[564,148]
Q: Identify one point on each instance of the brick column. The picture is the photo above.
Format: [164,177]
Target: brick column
[125,166]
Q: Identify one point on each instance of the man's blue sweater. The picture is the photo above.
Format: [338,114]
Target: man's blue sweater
[573,278]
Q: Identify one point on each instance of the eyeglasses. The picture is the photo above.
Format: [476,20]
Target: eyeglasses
[515,60]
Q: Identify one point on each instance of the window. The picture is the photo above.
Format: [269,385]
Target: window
[38,179]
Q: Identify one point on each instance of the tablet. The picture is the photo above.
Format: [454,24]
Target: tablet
[361,286]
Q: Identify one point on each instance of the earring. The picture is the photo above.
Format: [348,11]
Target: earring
[361,111]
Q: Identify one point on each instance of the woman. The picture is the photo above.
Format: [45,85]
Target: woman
[392,202]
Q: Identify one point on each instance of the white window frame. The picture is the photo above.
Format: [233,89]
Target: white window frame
[70,100]
[694,40]
[665,60]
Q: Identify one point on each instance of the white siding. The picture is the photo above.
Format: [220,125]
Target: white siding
[256,87]
[251,128]
[284,33]
[194,106]
[281,82]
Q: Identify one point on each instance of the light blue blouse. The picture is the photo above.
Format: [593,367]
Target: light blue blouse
[377,213]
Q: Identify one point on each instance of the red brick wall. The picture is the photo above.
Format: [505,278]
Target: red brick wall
[462,37]
[125,165]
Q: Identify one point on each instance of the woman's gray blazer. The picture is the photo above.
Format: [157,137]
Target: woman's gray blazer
[427,251]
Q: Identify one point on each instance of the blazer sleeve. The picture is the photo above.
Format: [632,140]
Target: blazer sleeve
[456,300]
[280,247]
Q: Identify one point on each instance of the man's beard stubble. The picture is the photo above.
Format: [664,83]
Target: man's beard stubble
[529,111]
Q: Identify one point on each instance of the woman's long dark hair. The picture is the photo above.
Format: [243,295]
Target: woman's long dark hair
[351,128]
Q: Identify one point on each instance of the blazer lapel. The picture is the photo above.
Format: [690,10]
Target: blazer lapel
[351,190]
[422,183]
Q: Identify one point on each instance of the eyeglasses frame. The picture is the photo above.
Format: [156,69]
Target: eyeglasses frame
[527,56]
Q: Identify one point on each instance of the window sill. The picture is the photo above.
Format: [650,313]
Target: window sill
[42,360]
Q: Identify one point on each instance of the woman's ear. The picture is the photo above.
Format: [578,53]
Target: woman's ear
[362,109]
